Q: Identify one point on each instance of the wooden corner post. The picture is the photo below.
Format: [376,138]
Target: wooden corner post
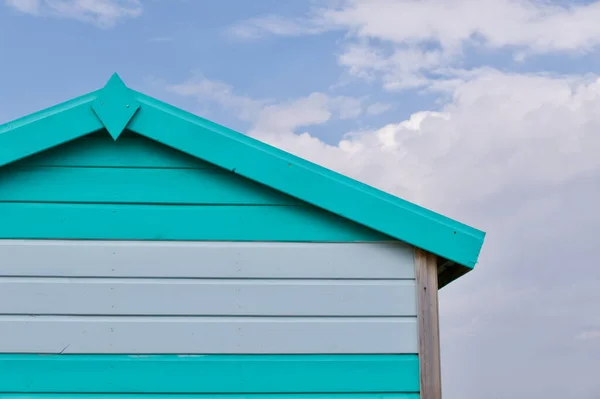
[428,323]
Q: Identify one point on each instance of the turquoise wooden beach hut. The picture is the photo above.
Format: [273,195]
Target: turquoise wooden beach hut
[145,250]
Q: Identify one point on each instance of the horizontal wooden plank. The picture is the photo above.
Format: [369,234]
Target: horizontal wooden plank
[206,259]
[131,185]
[129,151]
[175,222]
[207,335]
[212,396]
[185,297]
[209,374]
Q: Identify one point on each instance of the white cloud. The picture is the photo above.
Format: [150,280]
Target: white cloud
[399,69]
[522,128]
[346,107]
[587,335]
[273,25]
[424,40]
[26,6]
[268,115]
[536,25]
[307,111]
[378,108]
[103,13]
[204,89]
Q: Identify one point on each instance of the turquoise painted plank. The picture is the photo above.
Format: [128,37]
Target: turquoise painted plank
[306,181]
[209,374]
[100,150]
[48,128]
[133,185]
[178,222]
[213,396]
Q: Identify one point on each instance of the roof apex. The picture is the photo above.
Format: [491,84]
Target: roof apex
[115,106]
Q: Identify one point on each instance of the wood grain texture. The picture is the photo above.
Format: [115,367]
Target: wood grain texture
[428,324]
[207,335]
[215,297]
[176,259]
[178,222]
[209,374]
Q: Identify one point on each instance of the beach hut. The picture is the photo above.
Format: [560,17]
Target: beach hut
[146,250]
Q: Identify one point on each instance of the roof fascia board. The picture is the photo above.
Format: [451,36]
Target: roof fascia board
[48,128]
[306,181]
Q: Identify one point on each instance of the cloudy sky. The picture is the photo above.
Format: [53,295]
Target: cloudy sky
[485,110]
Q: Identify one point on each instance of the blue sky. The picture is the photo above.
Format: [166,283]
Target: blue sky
[60,57]
[487,111]
[64,57]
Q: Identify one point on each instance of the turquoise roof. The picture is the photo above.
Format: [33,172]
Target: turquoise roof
[116,108]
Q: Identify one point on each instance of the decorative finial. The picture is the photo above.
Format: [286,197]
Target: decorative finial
[115,106]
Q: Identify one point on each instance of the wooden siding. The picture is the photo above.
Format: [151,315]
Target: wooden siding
[212,396]
[210,374]
[134,186]
[136,189]
[175,297]
[177,222]
[207,297]
[296,302]
[204,335]
[156,259]
[130,151]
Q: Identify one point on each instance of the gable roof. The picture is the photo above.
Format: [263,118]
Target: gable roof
[116,107]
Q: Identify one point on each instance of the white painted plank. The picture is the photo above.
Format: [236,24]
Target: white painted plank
[162,335]
[126,296]
[206,259]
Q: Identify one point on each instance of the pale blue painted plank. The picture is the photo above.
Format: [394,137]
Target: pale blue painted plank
[129,185]
[204,335]
[207,259]
[155,222]
[209,374]
[200,297]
